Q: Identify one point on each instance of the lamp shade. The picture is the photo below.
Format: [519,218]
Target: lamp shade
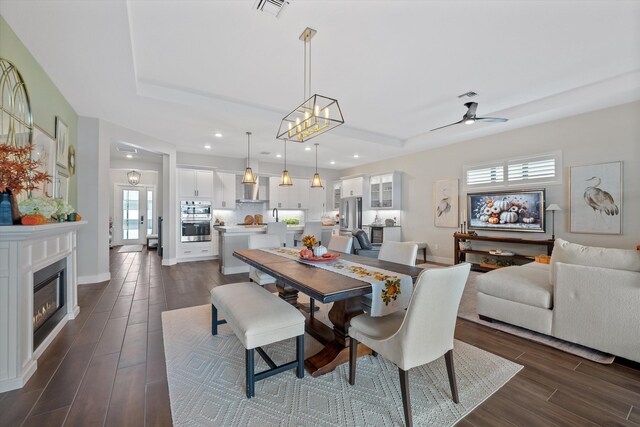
[553,207]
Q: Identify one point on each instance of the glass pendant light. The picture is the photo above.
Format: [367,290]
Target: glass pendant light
[285,181]
[316,182]
[248,177]
[133,177]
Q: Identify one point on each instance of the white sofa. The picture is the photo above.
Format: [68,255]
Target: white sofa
[587,295]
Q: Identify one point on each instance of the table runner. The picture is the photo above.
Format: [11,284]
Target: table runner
[390,291]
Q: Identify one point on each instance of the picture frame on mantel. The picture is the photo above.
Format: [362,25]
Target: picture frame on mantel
[595,198]
[62,185]
[44,151]
[445,192]
[62,141]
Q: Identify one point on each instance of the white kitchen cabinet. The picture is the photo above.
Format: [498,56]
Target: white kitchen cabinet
[195,184]
[317,202]
[300,197]
[353,187]
[292,197]
[385,191]
[192,251]
[224,191]
[215,240]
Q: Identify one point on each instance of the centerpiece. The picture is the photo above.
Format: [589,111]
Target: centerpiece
[18,173]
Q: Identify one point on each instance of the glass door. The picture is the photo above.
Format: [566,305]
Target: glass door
[133,201]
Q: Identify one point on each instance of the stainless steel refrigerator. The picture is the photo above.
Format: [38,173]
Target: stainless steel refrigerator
[351,214]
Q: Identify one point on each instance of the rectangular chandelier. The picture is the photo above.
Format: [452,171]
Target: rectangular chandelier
[315,116]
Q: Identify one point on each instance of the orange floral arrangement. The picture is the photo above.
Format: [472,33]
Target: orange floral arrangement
[18,171]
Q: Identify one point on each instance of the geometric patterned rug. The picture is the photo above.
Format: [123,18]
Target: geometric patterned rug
[206,378]
[130,248]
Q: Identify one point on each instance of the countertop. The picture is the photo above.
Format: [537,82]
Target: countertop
[243,229]
[381,225]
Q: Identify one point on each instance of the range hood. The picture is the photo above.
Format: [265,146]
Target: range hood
[251,193]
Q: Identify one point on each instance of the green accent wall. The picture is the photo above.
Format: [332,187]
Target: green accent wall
[46,100]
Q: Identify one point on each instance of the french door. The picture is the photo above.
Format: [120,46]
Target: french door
[135,210]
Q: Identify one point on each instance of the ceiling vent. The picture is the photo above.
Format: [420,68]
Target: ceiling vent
[470,94]
[272,7]
[125,149]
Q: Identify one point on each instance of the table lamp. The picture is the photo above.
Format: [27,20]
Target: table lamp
[553,208]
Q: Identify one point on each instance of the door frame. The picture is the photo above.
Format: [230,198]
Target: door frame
[117,213]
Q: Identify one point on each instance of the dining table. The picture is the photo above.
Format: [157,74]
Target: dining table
[293,276]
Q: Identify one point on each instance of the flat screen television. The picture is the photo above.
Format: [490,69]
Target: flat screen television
[506,211]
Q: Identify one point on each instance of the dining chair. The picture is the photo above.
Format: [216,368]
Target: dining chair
[399,252]
[262,241]
[340,244]
[280,229]
[419,335]
[313,228]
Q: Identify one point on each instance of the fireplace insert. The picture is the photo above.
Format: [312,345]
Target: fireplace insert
[48,299]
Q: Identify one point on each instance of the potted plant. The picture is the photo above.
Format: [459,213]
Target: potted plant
[18,172]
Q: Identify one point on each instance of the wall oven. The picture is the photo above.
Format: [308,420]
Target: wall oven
[195,221]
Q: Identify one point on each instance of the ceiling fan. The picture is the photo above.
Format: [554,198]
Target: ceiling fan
[470,117]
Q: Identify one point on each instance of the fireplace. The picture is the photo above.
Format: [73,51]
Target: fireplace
[48,299]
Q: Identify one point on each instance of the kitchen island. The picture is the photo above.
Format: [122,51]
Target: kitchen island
[236,237]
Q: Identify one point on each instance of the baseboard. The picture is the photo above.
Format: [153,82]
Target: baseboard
[20,381]
[197,258]
[171,261]
[96,278]
[440,259]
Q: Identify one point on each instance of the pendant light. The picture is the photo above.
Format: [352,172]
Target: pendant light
[285,181]
[316,182]
[317,114]
[248,177]
[133,177]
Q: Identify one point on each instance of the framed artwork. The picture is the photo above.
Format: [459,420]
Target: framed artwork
[517,210]
[446,203]
[595,198]
[62,140]
[62,186]
[44,150]
[71,164]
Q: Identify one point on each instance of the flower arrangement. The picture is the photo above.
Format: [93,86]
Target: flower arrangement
[309,240]
[18,172]
[39,205]
[63,208]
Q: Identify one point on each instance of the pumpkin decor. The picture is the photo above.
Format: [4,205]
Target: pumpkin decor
[508,217]
[528,220]
[484,218]
[34,219]
[306,253]
[319,251]
[503,204]
[494,220]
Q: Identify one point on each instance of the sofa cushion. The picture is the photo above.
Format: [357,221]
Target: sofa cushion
[526,285]
[572,253]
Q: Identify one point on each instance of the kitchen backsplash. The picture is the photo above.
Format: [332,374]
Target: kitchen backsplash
[369,216]
[234,217]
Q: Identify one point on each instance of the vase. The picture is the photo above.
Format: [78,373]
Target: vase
[9,213]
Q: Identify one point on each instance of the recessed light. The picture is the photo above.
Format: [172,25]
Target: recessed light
[208,147]
[218,135]
[355,156]
[332,162]
[307,149]
[129,156]
[278,155]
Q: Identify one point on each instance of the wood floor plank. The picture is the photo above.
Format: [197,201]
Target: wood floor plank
[122,306]
[158,410]
[91,404]
[139,311]
[156,365]
[127,406]
[503,406]
[16,406]
[112,337]
[155,316]
[588,410]
[134,347]
[634,415]
[53,418]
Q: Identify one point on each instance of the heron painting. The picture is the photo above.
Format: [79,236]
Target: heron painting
[446,203]
[596,198]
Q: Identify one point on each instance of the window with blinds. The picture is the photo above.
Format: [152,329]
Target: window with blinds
[543,169]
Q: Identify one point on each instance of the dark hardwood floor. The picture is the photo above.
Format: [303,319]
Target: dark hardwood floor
[107,366]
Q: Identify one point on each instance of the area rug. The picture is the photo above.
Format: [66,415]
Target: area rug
[468,311]
[207,383]
[130,248]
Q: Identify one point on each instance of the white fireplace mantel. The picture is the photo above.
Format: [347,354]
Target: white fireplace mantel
[23,251]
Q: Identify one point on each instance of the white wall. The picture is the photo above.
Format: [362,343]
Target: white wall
[602,136]
[93,204]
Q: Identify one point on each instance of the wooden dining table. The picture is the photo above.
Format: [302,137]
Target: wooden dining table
[326,287]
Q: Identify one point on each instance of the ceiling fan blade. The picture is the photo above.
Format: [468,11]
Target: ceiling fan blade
[491,119]
[446,126]
[472,107]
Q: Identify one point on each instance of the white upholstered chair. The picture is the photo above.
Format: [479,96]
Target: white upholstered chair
[400,252]
[340,244]
[260,241]
[313,228]
[419,335]
[280,229]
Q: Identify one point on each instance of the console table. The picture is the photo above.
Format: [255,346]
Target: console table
[460,255]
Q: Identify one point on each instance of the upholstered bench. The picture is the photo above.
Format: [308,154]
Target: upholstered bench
[258,318]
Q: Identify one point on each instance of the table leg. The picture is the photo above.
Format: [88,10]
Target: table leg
[288,294]
[336,347]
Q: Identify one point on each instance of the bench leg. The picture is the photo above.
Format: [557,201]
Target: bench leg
[214,320]
[300,356]
[250,373]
